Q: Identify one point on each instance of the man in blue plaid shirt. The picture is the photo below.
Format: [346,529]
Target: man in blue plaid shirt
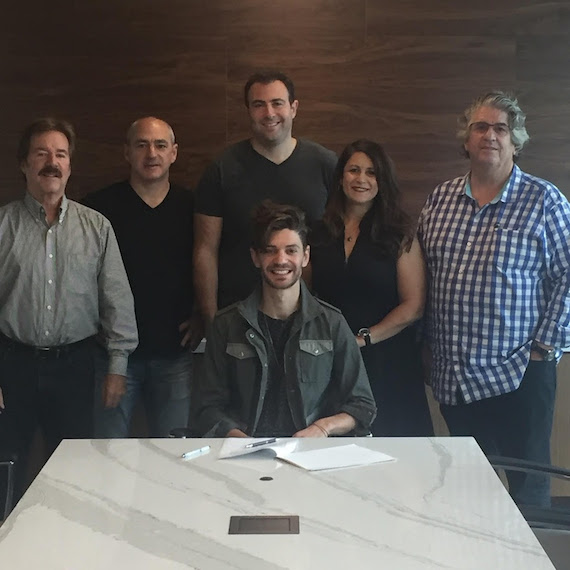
[497,248]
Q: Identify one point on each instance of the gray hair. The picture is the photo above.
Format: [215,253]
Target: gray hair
[503,102]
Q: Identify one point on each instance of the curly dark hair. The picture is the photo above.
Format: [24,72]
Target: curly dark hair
[391,229]
[269,217]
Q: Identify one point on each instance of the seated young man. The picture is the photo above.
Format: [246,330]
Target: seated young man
[281,363]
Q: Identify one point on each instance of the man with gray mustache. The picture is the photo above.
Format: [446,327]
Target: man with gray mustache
[62,282]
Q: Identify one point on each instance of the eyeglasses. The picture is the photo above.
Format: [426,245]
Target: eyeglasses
[481,128]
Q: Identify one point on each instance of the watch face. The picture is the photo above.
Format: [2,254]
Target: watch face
[549,355]
[365,334]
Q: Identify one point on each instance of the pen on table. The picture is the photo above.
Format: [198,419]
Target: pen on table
[258,443]
[196,452]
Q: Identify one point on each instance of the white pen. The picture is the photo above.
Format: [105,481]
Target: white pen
[196,452]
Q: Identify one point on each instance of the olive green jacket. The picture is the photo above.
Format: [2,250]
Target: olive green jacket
[324,371]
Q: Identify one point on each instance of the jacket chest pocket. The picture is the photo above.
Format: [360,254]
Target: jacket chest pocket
[315,360]
[240,350]
[243,362]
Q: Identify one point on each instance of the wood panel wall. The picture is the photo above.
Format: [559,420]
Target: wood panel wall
[397,71]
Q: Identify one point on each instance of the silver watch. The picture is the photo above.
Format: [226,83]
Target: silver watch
[364,333]
[548,354]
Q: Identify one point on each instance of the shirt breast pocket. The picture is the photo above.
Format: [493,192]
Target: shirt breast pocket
[315,359]
[82,273]
[516,250]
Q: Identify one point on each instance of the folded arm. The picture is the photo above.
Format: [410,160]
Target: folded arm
[211,391]
[411,280]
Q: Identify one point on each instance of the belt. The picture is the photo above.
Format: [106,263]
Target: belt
[59,351]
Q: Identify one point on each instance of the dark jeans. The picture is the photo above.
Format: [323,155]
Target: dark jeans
[517,424]
[163,384]
[53,392]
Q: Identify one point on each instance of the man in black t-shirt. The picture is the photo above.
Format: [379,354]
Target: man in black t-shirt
[152,219]
[271,164]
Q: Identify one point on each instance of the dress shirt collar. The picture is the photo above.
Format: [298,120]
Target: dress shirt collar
[38,211]
[505,192]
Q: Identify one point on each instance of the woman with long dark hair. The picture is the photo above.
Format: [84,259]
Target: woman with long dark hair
[366,261]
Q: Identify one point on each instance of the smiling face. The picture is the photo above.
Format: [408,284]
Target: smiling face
[150,150]
[359,182]
[493,146]
[48,165]
[270,112]
[282,261]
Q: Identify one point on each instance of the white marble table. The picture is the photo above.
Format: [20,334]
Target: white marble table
[134,504]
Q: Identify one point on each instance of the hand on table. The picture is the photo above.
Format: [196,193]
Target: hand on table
[236,433]
[313,430]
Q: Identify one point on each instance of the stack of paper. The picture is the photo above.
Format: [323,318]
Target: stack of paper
[351,455]
[337,457]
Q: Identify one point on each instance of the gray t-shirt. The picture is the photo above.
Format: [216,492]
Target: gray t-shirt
[238,181]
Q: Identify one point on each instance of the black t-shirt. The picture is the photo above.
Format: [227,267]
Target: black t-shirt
[276,419]
[156,246]
[238,181]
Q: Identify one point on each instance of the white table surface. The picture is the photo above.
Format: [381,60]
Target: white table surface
[134,504]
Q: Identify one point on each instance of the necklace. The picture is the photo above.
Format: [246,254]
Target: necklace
[277,329]
[352,236]
[352,233]
[268,331]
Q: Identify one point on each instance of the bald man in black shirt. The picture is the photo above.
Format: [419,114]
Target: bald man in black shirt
[152,219]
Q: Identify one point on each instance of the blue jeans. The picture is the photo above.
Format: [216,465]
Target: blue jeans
[164,386]
[517,424]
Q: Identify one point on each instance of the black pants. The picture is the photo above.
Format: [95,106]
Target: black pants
[54,392]
[517,424]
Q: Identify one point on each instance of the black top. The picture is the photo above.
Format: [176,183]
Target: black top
[276,419]
[156,245]
[364,288]
[238,181]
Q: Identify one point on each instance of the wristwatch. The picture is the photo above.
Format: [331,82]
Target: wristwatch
[364,333]
[548,354]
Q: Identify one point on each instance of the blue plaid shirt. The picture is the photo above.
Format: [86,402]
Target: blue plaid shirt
[498,279]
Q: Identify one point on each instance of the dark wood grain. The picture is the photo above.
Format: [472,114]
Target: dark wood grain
[397,72]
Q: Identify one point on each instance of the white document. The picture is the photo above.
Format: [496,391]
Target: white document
[237,446]
[337,457]
[351,455]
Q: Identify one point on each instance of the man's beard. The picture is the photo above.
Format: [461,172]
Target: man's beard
[293,277]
